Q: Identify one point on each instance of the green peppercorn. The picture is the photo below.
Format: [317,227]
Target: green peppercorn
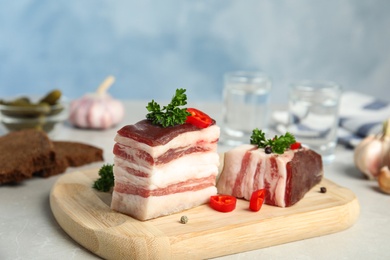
[184,219]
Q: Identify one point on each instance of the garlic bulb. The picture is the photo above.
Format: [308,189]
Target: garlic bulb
[373,153]
[97,110]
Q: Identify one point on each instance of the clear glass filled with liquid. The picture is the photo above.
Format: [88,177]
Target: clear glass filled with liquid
[314,115]
[245,107]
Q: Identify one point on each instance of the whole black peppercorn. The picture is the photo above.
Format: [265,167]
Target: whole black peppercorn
[268,150]
[323,189]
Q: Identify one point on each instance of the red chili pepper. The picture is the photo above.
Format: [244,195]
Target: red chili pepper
[223,203]
[295,146]
[198,118]
[257,200]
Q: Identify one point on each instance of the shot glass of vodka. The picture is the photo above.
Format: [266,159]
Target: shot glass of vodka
[245,105]
[314,115]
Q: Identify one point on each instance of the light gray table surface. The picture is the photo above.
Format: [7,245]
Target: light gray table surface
[28,229]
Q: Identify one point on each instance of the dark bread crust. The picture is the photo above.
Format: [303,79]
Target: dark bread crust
[28,153]
[72,154]
[78,154]
[23,153]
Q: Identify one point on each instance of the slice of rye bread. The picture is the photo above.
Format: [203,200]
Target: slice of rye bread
[28,153]
[23,153]
[71,154]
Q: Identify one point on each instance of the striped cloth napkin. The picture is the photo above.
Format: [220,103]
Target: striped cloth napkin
[360,115]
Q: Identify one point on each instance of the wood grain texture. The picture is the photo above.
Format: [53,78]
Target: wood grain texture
[85,215]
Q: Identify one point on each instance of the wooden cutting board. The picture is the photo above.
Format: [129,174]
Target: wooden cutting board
[85,215]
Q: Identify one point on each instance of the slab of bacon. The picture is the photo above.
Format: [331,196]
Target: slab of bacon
[159,171]
[286,177]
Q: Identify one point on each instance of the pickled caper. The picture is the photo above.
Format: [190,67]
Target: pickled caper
[52,97]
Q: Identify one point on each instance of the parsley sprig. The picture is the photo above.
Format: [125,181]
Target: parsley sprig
[171,114]
[106,180]
[278,144]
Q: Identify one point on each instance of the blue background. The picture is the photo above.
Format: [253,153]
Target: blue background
[154,47]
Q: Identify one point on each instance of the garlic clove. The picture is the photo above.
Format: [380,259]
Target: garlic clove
[384,179]
[79,112]
[385,155]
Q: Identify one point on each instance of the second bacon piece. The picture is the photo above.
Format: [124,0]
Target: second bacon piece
[285,177]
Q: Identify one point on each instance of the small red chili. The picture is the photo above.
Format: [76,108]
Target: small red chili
[257,200]
[295,146]
[223,203]
[198,118]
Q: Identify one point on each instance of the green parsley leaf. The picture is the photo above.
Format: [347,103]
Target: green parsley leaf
[106,180]
[278,144]
[171,114]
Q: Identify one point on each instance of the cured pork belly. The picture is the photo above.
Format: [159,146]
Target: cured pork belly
[159,171]
[286,177]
